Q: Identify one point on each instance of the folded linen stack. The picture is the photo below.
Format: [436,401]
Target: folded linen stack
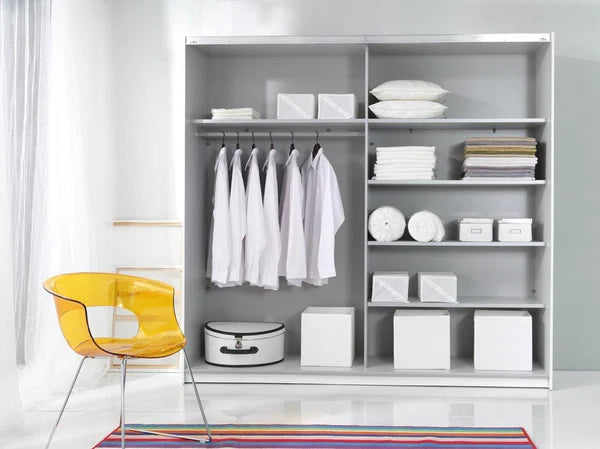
[404,163]
[508,158]
[235,114]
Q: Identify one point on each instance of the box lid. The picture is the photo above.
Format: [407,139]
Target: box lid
[477,220]
[516,220]
[421,313]
[441,274]
[500,314]
[243,329]
[329,310]
[390,273]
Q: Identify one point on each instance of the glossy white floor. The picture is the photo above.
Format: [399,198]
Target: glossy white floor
[564,418]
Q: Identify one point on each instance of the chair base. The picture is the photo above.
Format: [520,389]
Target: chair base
[171,435]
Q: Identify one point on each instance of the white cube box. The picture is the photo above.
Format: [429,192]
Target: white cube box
[422,339]
[438,287]
[337,106]
[475,229]
[295,106]
[390,286]
[327,336]
[514,229]
[503,340]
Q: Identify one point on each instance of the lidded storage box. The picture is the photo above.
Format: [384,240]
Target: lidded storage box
[390,286]
[475,229]
[337,106]
[514,230]
[229,343]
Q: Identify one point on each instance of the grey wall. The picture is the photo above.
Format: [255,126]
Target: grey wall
[148,67]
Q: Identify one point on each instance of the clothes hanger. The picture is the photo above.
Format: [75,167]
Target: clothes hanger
[253,144]
[292,146]
[237,139]
[271,139]
[317,146]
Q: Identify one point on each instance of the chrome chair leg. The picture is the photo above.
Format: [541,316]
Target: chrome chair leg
[65,403]
[123,374]
[183,437]
[189,366]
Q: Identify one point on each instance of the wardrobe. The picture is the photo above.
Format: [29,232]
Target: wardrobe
[500,84]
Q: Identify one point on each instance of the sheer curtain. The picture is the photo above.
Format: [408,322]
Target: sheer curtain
[50,217]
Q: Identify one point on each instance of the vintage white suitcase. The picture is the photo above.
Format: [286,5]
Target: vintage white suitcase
[228,343]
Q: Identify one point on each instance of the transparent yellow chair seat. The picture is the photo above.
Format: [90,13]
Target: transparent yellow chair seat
[152,302]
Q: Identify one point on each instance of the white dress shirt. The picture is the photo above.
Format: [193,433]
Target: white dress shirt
[269,263]
[237,214]
[255,222]
[323,216]
[292,263]
[219,247]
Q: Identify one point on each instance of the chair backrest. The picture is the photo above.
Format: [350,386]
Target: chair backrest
[146,298]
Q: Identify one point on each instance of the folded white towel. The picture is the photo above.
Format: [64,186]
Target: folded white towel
[425,226]
[428,171]
[233,111]
[406,165]
[404,149]
[500,162]
[386,224]
[397,177]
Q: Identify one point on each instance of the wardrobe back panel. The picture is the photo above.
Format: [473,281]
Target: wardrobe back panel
[255,81]
[247,303]
[480,85]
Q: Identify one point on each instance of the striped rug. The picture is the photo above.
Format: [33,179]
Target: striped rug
[325,436]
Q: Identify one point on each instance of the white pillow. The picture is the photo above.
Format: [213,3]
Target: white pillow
[407,109]
[409,90]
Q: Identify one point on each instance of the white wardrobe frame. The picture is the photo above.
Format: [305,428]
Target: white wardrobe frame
[533,52]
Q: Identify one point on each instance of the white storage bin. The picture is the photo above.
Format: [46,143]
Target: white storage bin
[503,340]
[438,287]
[327,336]
[228,343]
[390,286]
[422,339]
[514,229]
[475,229]
[295,106]
[337,106]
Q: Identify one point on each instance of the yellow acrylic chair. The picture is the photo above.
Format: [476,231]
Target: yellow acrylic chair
[159,334]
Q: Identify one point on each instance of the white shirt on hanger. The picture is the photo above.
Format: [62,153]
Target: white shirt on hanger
[237,214]
[255,222]
[323,216]
[269,263]
[292,263]
[219,247]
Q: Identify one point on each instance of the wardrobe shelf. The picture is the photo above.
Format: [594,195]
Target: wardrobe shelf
[467,302]
[456,183]
[380,371]
[449,243]
[456,123]
[280,125]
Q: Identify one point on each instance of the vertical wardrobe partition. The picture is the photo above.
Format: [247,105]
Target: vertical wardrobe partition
[499,85]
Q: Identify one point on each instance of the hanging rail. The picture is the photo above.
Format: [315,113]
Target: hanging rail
[322,134]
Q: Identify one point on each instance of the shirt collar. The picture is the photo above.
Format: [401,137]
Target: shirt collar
[315,160]
[293,154]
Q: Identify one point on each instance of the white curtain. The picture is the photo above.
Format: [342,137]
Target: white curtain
[50,217]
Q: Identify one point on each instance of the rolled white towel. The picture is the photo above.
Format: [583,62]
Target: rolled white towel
[425,226]
[386,224]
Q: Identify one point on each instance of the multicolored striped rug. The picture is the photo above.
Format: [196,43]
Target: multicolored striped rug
[324,436]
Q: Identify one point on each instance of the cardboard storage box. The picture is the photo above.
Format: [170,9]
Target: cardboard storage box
[390,286]
[438,287]
[337,106]
[327,336]
[295,106]
[422,339]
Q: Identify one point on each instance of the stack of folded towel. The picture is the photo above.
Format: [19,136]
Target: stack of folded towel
[235,114]
[404,163]
[508,158]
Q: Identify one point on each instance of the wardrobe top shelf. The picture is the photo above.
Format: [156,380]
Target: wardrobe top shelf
[506,43]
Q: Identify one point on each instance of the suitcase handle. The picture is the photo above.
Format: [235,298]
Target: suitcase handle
[251,350]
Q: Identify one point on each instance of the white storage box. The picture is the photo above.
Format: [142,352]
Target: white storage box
[327,336]
[514,229]
[438,287]
[243,344]
[295,106]
[475,229]
[503,340]
[390,286]
[422,339]
[337,106]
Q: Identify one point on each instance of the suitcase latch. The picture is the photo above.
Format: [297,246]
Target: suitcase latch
[238,342]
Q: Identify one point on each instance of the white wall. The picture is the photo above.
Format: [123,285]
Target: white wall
[148,94]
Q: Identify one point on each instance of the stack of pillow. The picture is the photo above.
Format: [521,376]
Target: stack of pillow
[408,99]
